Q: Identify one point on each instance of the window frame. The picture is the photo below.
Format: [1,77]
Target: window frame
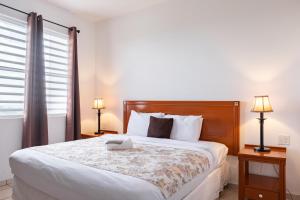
[47,30]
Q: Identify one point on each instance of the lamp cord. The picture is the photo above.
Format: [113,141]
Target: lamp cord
[277,173]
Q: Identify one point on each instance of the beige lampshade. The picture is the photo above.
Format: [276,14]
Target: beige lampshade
[262,104]
[98,103]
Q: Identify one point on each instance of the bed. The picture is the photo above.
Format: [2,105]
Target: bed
[83,169]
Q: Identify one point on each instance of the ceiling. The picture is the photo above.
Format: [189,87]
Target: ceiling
[102,9]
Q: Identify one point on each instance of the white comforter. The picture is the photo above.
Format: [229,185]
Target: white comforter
[64,180]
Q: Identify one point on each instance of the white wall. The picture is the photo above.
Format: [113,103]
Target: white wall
[11,129]
[208,50]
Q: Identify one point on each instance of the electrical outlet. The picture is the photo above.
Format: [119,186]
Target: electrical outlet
[284,140]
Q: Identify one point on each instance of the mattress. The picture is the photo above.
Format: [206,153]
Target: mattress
[208,189]
[62,179]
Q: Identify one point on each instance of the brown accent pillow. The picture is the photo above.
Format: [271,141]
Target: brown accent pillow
[160,127]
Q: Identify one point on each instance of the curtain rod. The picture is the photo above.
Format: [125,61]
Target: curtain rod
[20,11]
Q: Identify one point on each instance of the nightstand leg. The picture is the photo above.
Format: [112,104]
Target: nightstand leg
[242,169]
[282,184]
[246,167]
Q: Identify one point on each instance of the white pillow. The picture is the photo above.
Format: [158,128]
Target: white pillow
[186,128]
[139,122]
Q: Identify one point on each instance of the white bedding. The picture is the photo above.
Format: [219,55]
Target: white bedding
[62,179]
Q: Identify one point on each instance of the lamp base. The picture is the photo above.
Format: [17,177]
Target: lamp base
[263,149]
[99,133]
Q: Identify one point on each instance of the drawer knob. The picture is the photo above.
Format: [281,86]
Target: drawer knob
[261,196]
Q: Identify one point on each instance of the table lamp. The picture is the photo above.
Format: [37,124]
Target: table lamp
[262,105]
[99,105]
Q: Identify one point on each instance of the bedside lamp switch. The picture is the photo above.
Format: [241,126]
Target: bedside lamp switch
[284,140]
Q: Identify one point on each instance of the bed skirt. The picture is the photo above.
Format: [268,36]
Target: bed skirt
[208,189]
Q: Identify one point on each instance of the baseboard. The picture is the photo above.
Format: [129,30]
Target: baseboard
[9,182]
[2,183]
[6,182]
[295,197]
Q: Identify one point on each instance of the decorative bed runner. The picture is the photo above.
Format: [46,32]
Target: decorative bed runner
[166,167]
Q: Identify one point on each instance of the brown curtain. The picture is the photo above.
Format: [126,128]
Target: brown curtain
[35,126]
[73,127]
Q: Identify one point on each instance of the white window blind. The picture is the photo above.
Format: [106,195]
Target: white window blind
[12,66]
[56,62]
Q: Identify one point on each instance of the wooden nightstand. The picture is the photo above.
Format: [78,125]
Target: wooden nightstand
[91,135]
[259,187]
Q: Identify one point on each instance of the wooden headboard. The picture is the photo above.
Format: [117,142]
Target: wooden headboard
[221,118]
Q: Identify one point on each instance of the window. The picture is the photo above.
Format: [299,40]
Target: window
[56,62]
[12,68]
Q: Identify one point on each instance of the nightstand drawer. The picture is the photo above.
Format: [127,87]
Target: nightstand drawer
[256,194]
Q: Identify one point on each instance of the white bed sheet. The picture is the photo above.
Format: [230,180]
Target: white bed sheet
[212,185]
[61,179]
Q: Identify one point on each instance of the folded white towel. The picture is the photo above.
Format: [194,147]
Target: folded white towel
[119,144]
